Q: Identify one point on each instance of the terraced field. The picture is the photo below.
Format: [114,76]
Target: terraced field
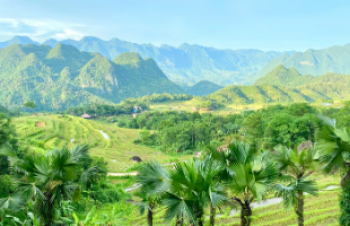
[60,131]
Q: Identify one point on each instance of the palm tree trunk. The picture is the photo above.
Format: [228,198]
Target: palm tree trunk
[150,217]
[179,220]
[246,213]
[212,215]
[300,208]
[345,181]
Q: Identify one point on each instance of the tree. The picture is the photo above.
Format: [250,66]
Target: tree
[154,180]
[295,167]
[249,176]
[186,190]
[333,148]
[29,104]
[46,180]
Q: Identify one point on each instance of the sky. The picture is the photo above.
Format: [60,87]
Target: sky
[279,25]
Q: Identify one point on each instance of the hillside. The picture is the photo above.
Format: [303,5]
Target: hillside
[258,95]
[186,64]
[284,77]
[63,76]
[328,86]
[334,59]
[68,131]
[203,88]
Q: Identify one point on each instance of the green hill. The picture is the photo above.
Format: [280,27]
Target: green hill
[334,59]
[328,86]
[258,95]
[284,77]
[203,88]
[62,77]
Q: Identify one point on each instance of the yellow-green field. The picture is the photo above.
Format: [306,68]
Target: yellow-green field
[60,131]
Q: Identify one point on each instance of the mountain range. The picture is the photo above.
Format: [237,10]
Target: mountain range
[61,77]
[185,65]
[283,85]
[334,59]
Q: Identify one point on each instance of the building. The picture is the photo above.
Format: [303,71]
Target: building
[86,116]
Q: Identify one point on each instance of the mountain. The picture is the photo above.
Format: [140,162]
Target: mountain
[3,109]
[186,64]
[258,95]
[330,86]
[203,88]
[60,77]
[334,59]
[23,40]
[284,77]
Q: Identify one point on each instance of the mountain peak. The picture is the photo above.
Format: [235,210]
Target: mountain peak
[127,58]
[23,40]
[90,39]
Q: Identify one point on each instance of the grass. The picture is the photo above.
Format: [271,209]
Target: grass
[69,131]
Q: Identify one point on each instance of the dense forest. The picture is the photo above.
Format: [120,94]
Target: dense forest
[285,125]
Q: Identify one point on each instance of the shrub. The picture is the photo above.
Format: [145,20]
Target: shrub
[345,206]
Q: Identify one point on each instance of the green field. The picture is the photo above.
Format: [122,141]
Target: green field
[60,131]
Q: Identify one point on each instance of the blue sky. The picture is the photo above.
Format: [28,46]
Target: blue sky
[260,24]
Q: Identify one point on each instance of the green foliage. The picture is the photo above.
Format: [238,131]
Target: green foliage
[29,104]
[345,206]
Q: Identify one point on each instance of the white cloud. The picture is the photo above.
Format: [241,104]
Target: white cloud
[39,30]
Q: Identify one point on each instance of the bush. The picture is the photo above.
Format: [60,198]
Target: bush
[5,186]
[345,206]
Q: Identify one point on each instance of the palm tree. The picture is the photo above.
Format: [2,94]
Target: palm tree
[186,190]
[249,175]
[196,183]
[295,167]
[47,180]
[154,180]
[333,149]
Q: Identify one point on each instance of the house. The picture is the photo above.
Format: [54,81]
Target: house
[136,109]
[86,116]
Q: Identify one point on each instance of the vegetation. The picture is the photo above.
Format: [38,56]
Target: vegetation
[312,62]
[244,159]
[203,88]
[63,77]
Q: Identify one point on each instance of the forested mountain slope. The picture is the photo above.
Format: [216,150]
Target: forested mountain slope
[203,88]
[287,85]
[329,85]
[60,77]
[334,59]
[186,64]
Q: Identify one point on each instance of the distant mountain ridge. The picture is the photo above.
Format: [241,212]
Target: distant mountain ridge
[328,86]
[334,59]
[186,64]
[61,77]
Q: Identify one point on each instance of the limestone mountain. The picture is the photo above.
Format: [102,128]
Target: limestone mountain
[61,77]
[186,64]
[284,77]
